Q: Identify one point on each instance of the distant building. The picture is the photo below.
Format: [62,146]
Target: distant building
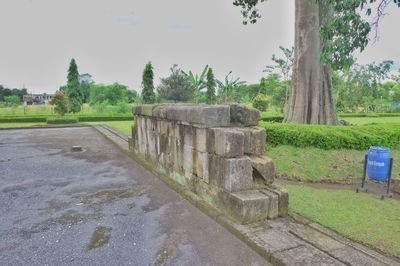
[33,99]
[86,78]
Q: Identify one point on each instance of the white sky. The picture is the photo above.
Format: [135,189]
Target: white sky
[113,40]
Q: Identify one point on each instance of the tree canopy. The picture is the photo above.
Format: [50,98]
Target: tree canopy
[343,33]
[177,87]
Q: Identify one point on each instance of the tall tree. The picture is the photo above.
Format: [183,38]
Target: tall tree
[73,91]
[148,94]
[327,32]
[177,87]
[210,84]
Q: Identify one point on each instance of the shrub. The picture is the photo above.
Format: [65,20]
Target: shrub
[260,102]
[61,103]
[62,120]
[333,137]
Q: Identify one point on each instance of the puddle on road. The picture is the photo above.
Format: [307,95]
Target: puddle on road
[108,196]
[100,237]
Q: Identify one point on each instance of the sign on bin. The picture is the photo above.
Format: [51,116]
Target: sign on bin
[378,166]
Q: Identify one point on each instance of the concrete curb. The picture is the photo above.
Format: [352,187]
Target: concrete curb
[307,249]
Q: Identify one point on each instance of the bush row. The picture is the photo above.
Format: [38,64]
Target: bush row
[81,118]
[62,120]
[344,115]
[333,137]
[279,118]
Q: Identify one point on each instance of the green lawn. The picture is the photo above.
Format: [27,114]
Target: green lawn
[20,125]
[46,109]
[122,126]
[312,164]
[362,217]
[369,120]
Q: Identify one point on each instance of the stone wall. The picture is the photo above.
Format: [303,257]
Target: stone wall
[215,150]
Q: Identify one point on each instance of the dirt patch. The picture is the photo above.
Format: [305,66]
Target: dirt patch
[100,237]
[109,196]
[373,187]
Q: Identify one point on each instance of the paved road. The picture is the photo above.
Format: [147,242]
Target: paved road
[98,207]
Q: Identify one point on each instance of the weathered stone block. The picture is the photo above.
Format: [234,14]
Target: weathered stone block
[226,142]
[254,140]
[200,139]
[283,204]
[209,116]
[177,156]
[249,206]
[263,170]
[144,110]
[188,161]
[201,166]
[273,211]
[160,111]
[231,174]
[243,115]
[177,113]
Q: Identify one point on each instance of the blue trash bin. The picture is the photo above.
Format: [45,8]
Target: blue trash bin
[378,163]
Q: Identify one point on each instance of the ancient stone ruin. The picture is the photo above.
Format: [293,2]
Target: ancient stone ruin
[217,151]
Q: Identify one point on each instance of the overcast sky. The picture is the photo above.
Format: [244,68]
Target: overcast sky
[113,40]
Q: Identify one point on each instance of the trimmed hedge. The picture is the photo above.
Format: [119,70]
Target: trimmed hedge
[62,120]
[333,137]
[81,118]
[344,115]
[279,117]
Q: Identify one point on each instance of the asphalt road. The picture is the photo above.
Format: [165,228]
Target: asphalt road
[98,207]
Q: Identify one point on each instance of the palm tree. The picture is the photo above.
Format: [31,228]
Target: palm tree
[229,85]
[198,82]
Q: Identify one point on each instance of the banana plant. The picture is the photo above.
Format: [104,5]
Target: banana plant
[229,85]
[198,82]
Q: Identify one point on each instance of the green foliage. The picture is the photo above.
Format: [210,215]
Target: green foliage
[108,94]
[148,95]
[62,120]
[85,87]
[60,102]
[227,87]
[177,87]
[4,92]
[210,85]
[260,102]
[12,100]
[198,82]
[343,33]
[363,87]
[396,93]
[333,137]
[73,91]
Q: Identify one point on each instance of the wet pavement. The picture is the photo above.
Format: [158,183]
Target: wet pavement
[98,207]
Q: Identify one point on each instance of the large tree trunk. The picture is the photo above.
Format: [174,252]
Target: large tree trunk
[311,100]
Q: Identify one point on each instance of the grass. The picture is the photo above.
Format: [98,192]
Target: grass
[122,126]
[362,217]
[31,110]
[371,120]
[313,164]
[21,125]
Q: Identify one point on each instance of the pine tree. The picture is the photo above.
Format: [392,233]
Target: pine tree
[210,84]
[148,94]
[73,91]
